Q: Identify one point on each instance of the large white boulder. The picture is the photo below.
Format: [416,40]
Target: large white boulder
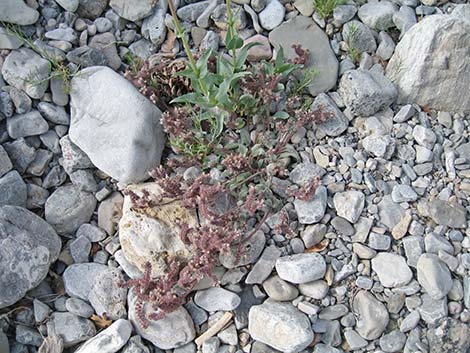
[431,63]
[117,127]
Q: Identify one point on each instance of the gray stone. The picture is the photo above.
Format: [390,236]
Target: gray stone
[373,316]
[382,146]
[91,9]
[359,37]
[106,43]
[29,124]
[354,340]
[390,212]
[391,269]
[41,311]
[8,41]
[92,232]
[17,12]
[5,162]
[20,154]
[139,148]
[324,348]
[312,211]
[251,252]
[134,10]
[264,266]
[74,157]
[69,5]
[432,310]
[313,234]
[109,340]
[343,13]
[434,276]
[79,307]
[175,330]
[379,15]
[447,213]
[333,312]
[68,208]
[27,71]
[280,290]
[410,321]
[292,328]
[28,335]
[336,122]
[272,15]
[403,193]
[54,113]
[191,12]
[349,204]
[393,341]
[421,66]
[153,27]
[28,246]
[386,46]
[13,190]
[449,336]
[424,136]
[64,34]
[4,346]
[366,92]
[106,296]
[72,328]
[216,299]
[135,345]
[301,268]
[302,30]
[379,241]
[80,278]
[413,249]
[80,249]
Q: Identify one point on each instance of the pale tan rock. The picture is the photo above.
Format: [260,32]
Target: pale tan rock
[151,235]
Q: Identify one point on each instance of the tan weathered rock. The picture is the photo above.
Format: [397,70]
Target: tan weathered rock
[151,234]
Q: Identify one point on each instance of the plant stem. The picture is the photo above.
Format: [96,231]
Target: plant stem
[180,32]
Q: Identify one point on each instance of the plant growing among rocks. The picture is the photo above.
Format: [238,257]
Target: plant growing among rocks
[234,126]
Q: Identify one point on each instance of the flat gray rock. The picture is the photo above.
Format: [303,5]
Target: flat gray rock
[217,299]
[28,245]
[13,190]
[434,276]
[72,328]
[101,103]
[302,30]
[68,208]
[133,10]
[372,315]
[79,279]
[27,71]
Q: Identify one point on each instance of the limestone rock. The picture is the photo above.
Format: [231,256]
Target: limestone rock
[28,245]
[152,235]
[431,64]
[117,127]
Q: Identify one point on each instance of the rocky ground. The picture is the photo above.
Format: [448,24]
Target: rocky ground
[381,259]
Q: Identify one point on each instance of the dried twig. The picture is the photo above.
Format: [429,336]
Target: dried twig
[214,329]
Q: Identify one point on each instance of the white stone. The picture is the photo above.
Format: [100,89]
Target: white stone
[272,15]
[349,204]
[109,340]
[117,127]
[391,269]
[431,64]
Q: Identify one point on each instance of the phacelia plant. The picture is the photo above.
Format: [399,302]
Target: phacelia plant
[235,125]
